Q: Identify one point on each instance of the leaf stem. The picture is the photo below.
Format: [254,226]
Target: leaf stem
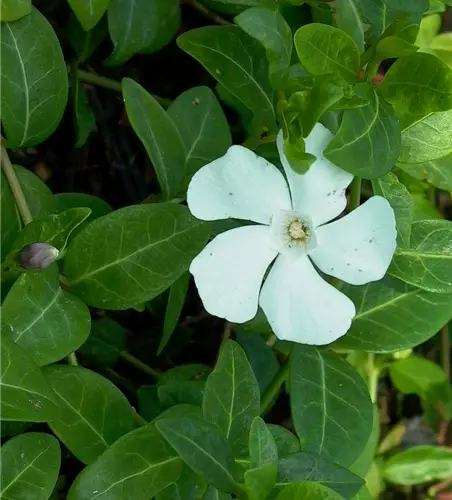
[273,389]
[373,374]
[355,193]
[72,359]
[202,9]
[16,189]
[139,365]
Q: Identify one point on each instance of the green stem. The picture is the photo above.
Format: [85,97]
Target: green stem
[72,359]
[202,9]
[16,189]
[355,193]
[273,390]
[139,365]
[373,376]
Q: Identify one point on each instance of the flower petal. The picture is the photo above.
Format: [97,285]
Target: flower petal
[229,272]
[239,185]
[359,247]
[320,192]
[301,306]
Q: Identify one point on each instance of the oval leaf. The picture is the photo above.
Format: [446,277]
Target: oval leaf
[94,413]
[438,173]
[34,80]
[40,199]
[262,445]
[89,12]
[132,255]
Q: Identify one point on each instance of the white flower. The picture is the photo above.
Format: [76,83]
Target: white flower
[299,304]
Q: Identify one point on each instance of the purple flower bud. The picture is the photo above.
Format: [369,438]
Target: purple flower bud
[38,256]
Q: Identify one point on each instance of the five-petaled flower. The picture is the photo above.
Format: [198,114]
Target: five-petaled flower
[299,304]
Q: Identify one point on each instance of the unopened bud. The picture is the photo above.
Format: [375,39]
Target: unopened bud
[38,256]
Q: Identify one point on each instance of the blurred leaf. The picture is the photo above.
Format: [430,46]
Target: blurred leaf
[337,421]
[400,200]
[133,254]
[428,29]
[391,47]
[105,343]
[259,482]
[11,428]
[286,442]
[213,494]
[441,46]
[148,402]
[335,51]
[392,316]
[348,18]
[427,264]
[99,207]
[47,322]
[238,62]
[89,12]
[393,438]
[33,79]
[141,25]
[40,199]
[10,218]
[203,448]
[129,468]
[11,10]
[84,119]
[193,371]
[85,42]
[94,413]
[231,396]
[308,490]
[30,466]
[159,135]
[419,465]
[438,173]
[368,141]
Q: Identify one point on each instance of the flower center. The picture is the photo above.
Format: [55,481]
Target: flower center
[298,231]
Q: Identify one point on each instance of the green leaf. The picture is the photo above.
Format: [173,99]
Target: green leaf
[331,408]
[363,462]
[99,207]
[231,397]
[308,490]
[213,494]
[178,392]
[94,413]
[89,12]
[427,264]
[348,18]
[25,393]
[185,372]
[40,199]
[270,29]
[105,342]
[427,138]
[400,200]
[203,448]
[52,229]
[438,173]
[47,322]
[441,46]
[174,307]
[260,482]
[286,442]
[202,126]
[238,62]
[10,218]
[84,119]
[393,316]
[158,134]
[414,375]
[11,10]
[183,489]
[183,410]
[138,465]
[262,445]
[428,29]
[305,466]
[419,465]
[148,402]
[323,50]
[368,141]
[419,83]
[33,79]
[84,42]
[133,254]
[30,466]
[141,25]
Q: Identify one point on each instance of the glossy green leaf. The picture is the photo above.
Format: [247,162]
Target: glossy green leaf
[10,217]
[174,307]
[400,200]
[99,207]
[25,393]
[285,441]
[52,229]
[203,448]
[427,138]
[259,482]
[331,408]
[183,489]
[30,466]
[138,465]
[438,173]
[12,10]
[105,342]
[213,494]
[427,264]
[323,49]
[348,18]
[133,254]
[305,466]
[419,465]
[271,29]
[140,25]
[158,134]
[40,199]
[419,83]
[392,47]
[262,445]
[392,316]
[414,375]
[84,42]
[368,141]
[47,322]
[89,12]
[231,397]
[308,490]
[84,119]
[202,126]
[94,413]
[238,62]
[33,79]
